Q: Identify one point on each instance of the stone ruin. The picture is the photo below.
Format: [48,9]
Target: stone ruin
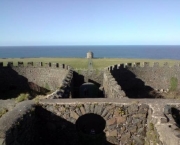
[131,108]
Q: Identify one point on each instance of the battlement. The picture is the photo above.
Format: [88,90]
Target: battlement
[142,65]
[35,64]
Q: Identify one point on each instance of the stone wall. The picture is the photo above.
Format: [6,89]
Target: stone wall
[65,90]
[81,76]
[128,121]
[152,136]
[18,126]
[158,77]
[111,87]
[93,75]
[125,124]
[34,76]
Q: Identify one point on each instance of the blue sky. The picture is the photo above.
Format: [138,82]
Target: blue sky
[89,22]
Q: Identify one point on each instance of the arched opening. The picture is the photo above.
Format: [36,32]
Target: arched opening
[90,128]
[88,90]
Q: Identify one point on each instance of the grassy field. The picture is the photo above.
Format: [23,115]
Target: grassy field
[83,62]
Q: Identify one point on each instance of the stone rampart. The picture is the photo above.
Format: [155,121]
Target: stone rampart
[157,77]
[32,75]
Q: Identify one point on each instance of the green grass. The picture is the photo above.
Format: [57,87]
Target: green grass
[22,97]
[83,62]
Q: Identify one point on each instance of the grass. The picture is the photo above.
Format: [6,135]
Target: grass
[22,97]
[174,84]
[83,62]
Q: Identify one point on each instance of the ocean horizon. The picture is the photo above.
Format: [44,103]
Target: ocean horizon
[100,51]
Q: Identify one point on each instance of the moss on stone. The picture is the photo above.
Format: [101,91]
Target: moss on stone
[151,135]
[47,86]
[3,111]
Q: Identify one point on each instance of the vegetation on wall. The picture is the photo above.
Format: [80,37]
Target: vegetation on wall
[22,97]
[3,111]
[173,83]
[47,86]
[151,135]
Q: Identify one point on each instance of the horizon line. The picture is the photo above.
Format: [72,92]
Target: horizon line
[94,45]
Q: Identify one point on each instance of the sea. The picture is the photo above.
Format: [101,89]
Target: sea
[100,51]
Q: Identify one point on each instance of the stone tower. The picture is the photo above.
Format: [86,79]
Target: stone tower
[90,54]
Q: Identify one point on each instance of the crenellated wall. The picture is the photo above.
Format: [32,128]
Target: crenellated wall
[33,75]
[137,75]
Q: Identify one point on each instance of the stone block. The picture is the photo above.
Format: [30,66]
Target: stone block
[138,140]
[132,129]
[125,138]
[112,127]
[132,108]
[104,112]
[92,108]
[167,109]
[74,115]
[10,64]
[78,111]
[111,121]
[121,119]
[82,110]
[146,64]
[87,109]
[113,133]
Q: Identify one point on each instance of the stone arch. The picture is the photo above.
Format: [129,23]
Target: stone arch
[90,123]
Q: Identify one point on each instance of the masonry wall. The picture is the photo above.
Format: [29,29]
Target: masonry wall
[111,88]
[125,124]
[142,122]
[81,76]
[19,125]
[157,77]
[35,76]
[93,75]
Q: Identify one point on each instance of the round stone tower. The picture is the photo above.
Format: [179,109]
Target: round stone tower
[89,54]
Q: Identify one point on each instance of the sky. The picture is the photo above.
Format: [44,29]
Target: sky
[89,22]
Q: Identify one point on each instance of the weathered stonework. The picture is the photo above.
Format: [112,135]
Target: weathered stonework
[49,77]
[158,77]
[128,121]
[111,87]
